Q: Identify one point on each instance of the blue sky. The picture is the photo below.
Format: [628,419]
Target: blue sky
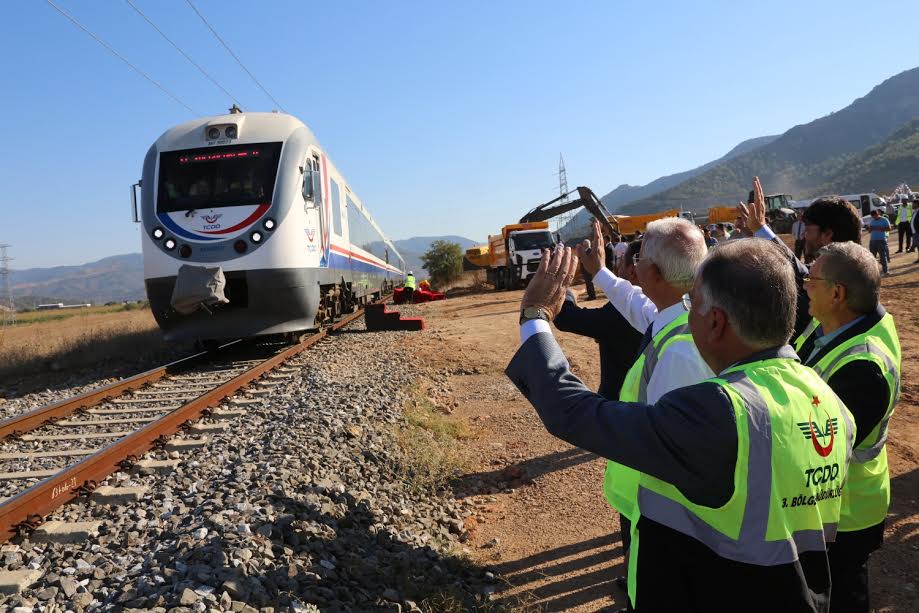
[446,118]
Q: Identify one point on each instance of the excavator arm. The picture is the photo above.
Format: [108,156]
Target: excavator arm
[586,198]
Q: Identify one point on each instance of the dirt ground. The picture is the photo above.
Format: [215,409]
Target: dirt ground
[542,524]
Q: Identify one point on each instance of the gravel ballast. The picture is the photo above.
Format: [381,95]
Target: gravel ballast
[297,506]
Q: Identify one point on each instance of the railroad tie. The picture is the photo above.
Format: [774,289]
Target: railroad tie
[105,422]
[64,453]
[29,474]
[72,437]
[65,531]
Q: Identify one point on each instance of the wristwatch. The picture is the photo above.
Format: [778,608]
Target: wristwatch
[533,312]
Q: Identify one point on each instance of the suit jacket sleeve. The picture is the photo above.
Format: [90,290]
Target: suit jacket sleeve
[688,438]
[863,389]
[802,317]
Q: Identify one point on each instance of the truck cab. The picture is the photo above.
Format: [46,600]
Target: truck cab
[525,250]
[515,253]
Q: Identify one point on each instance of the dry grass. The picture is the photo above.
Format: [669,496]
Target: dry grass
[86,338]
[429,439]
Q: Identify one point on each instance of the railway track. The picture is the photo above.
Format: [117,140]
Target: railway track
[62,451]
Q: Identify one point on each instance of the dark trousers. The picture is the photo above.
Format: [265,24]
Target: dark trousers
[591,292]
[880,250]
[799,247]
[408,294]
[849,568]
[904,230]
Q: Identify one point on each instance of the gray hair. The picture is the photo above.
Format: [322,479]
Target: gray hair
[751,280]
[853,266]
[677,247]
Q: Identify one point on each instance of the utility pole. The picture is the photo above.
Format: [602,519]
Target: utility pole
[562,220]
[7,310]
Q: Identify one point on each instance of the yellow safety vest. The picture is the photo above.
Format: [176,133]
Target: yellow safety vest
[410,282]
[794,440]
[620,483]
[866,496]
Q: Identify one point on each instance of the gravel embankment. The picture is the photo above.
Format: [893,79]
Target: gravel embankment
[298,506]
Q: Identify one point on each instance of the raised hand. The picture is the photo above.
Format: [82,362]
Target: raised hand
[556,271]
[592,256]
[754,214]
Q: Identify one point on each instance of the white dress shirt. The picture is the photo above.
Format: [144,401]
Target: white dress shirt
[681,364]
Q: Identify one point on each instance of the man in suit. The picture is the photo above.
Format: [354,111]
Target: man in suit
[671,252]
[735,504]
[827,220]
[616,339]
[852,344]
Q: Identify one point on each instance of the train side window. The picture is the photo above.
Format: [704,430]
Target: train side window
[336,207]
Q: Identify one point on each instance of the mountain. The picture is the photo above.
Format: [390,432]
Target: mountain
[625,194]
[803,158]
[879,168]
[118,277]
[411,249]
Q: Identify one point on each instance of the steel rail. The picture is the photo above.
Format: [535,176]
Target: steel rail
[20,424]
[27,510]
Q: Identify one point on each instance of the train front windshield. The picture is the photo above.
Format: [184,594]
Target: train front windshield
[213,177]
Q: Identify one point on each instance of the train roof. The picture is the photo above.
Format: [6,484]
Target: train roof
[251,128]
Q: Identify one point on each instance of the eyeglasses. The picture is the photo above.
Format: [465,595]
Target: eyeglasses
[687,302]
[635,259]
[812,279]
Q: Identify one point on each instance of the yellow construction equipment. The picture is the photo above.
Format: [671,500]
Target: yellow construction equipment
[627,225]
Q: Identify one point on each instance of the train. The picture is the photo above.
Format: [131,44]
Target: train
[249,229]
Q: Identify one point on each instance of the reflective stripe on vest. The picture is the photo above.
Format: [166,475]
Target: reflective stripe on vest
[787,484]
[866,496]
[620,483]
[908,210]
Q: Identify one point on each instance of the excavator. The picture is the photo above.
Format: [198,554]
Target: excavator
[512,257]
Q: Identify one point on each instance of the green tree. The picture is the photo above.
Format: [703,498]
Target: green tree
[444,262]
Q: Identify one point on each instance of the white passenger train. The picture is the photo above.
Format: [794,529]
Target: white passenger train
[253,199]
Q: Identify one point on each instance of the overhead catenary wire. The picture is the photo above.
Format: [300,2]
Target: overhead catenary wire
[230,51]
[111,50]
[185,55]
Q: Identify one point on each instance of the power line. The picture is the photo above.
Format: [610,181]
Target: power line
[119,56]
[185,55]
[230,51]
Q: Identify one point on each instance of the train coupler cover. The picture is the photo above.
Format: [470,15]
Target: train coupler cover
[198,287]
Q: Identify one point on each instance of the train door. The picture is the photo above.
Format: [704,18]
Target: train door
[318,183]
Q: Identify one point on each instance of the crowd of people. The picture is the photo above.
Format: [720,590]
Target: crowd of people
[743,409]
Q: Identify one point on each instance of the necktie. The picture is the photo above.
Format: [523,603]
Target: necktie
[645,340]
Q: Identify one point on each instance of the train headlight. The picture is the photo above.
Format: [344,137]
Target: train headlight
[256,237]
[185,251]
[169,244]
[231,132]
[269,224]
[213,133]
[158,233]
[240,246]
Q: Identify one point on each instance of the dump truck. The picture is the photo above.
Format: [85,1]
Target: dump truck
[515,253]
[627,225]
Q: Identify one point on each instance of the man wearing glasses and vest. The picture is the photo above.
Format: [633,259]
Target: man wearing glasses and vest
[852,344]
[741,475]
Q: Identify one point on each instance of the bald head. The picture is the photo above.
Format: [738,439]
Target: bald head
[751,282]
